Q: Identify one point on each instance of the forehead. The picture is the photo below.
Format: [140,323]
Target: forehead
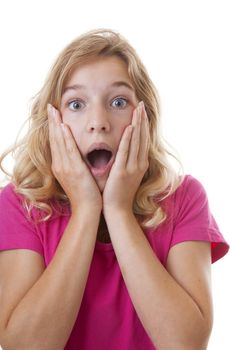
[99,72]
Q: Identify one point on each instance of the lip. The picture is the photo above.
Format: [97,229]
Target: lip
[103,171]
[99,145]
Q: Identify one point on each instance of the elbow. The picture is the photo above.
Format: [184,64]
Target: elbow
[205,330]
[11,343]
[205,338]
[199,337]
[198,332]
[16,339]
[14,343]
[3,341]
[194,337]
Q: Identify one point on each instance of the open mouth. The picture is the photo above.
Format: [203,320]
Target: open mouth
[99,158]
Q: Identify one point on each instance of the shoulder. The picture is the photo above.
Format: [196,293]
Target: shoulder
[8,195]
[10,199]
[7,189]
[189,196]
[189,187]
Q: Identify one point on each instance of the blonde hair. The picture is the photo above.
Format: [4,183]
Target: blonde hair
[32,175]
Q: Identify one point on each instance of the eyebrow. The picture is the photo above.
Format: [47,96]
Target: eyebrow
[115,84]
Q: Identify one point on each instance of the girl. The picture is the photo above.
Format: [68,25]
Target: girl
[103,244]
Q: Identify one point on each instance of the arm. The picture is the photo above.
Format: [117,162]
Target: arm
[45,316]
[173,304]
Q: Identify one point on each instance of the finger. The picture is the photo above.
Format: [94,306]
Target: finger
[122,153]
[135,139]
[71,146]
[57,141]
[52,137]
[145,138]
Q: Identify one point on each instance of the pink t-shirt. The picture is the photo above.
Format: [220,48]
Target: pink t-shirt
[107,318]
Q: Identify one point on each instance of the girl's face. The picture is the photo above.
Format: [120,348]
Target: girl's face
[97,104]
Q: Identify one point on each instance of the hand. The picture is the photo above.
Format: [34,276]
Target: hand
[69,168]
[130,164]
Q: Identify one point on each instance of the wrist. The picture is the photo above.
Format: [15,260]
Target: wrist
[86,210]
[116,211]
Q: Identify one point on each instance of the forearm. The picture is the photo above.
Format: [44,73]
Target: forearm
[170,316]
[45,316]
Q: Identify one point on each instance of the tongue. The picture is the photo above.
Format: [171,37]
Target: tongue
[100,159]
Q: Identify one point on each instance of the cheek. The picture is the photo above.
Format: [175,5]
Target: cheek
[124,126]
[122,129]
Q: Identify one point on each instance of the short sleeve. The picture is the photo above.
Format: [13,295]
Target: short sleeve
[16,230]
[193,220]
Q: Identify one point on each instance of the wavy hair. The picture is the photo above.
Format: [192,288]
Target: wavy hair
[32,175]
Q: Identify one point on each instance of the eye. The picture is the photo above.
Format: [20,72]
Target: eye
[76,104]
[119,102]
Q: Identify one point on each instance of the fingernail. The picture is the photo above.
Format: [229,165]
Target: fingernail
[141,104]
[49,108]
[52,110]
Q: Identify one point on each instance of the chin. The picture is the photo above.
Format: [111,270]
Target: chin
[101,184]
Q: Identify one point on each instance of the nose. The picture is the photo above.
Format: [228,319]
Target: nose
[98,120]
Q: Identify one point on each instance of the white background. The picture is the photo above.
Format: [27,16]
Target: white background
[187,49]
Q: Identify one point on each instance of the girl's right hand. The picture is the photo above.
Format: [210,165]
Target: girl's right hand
[69,168]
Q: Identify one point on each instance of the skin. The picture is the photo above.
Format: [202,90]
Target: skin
[99,113]
[173,302]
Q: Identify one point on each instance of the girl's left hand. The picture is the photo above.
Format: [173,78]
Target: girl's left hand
[130,164]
